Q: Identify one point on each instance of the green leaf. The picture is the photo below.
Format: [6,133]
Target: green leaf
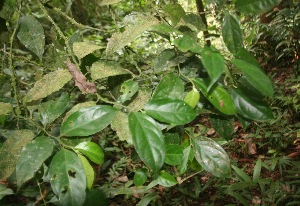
[89,171]
[223,126]
[108,2]
[88,121]
[174,12]
[52,109]
[250,106]
[171,111]
[11,149]
[81,49]
[241,174]
[140,177]
[257,170]
[50,83]
[80,106]
[214,64]
[184,161]
[68,178]
[8,8]
[166,180]
[148,140]
[217,96]
[192,98]
[32,157]
[104,69]
[186,43]
[164,29]
[147,199]
[92,151]
[4,191]
[211,156]
[174,154]
[232,33]
[121,126]
[5,108]
[129,89]
[255,6]
[165,60]
[31,35]
[138,103]
[192,21]
[256,77]
[171,86]
[243,54]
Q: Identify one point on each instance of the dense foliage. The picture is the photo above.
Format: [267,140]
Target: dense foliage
[107,98]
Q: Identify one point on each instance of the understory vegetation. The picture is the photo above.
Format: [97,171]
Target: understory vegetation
[166,102]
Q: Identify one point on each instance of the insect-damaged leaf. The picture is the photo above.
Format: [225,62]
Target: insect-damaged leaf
[81,49]
[103,69]
[68,178]
[121,126]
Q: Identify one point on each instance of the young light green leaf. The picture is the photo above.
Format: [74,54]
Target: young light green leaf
[121,126]
[255,6]
[92,151]
[257,170]
[174,12]
[81,49]
[232,33]
[50,83]
[51,110]
[128,90]
[4,191]
[140,177]
[214,64]
[148,140]
[171,86]
[186,43]
[32,157]
[249,106]
[5,108]
[104,69]
[256,77]
[211,156]
[171,111]
[68,178]
[166,180]
[11,149]
[192,98]
[31,35]
[88,121]
[174,154]
[241,174]
[89,171]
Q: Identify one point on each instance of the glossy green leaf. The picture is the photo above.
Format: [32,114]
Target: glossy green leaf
[92,151]
[192,98]
[140,177]
[81,49]
[214,64]
[11,149]
[171,111]
[148,140]
[211,156]
[255,6]
[166,180]
[128,89]
[174,154]
[171,86]
[31,35]
[88,121]
[104,69]
[79,106]
[51,110]
[4,191]
[174,12]
[89,171]
[250,106]
[68,178]
[217,96]
[256,77]
[185,158]
[232,33]
[32,157]
[186,43]
[222,126]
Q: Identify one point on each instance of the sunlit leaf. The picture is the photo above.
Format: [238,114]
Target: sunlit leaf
[92,151]
[5,108]
[192,98]
[148,140]
[88,121]
[255,6]
[68,178]
[81,49]
[89,171]
[104,69]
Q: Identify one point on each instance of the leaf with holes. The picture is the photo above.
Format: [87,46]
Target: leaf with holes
[211,156]
[148,140]
[171,111]
[32,157]
[128,90]
[88,121]
[31,35]
[68,178]
[92,151]
[255,6]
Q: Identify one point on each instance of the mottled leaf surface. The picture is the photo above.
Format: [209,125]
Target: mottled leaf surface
[255,6]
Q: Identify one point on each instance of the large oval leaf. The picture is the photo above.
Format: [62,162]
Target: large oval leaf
[255,6]
[68,179]
[32,157]
[232,33]
[171,111]
[256,77]
[92,151]
[88,121]
[211,156]
[148,140]
[31,35]
[250,106]
[171,86]
[217,96]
